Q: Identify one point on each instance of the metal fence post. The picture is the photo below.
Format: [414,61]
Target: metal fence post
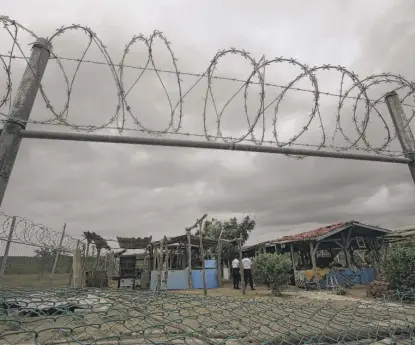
[7,249]
[403,131]
[10,137]
[57,253]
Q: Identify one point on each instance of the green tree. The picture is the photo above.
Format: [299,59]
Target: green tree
[229,230]
[273,270]
[399,267]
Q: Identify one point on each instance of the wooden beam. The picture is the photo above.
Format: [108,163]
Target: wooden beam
[339,243]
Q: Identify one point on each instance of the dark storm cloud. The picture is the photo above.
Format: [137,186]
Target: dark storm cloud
[137,191]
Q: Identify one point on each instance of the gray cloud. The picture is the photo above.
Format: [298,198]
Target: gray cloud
[137,191]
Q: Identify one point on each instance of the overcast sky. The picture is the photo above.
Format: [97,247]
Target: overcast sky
[140,191]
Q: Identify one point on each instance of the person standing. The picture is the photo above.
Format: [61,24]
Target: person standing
[236,273]
[248,276]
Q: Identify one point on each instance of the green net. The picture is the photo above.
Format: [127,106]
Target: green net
[105,316]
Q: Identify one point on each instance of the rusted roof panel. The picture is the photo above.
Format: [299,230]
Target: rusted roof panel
[311,235]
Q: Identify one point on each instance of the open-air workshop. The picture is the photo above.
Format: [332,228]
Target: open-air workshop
[177,290]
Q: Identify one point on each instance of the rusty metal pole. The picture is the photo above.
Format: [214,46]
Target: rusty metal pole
[403,131]
[11,135]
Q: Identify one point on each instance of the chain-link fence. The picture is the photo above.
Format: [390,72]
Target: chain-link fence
[133,317]
[37,307]
[33,255]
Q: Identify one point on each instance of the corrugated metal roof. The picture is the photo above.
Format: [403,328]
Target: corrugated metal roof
[310,235]
[403,232]
[258,245]
[183,238]
[303,236]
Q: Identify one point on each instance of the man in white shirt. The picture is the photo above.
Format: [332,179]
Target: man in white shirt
[248,277]
[236,273]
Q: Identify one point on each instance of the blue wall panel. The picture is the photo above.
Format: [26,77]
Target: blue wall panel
[211,279]
[152,280]
[178,280]
[210,263]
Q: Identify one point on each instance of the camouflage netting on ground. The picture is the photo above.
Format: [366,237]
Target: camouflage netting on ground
[133,317]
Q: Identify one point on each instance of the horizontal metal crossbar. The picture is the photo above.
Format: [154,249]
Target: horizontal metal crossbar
[99,138]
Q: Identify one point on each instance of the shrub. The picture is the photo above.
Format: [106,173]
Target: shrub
[399,267]
[273,270]
[341,290]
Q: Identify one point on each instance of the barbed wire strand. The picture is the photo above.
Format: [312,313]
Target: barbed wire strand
[34,234]
[256,77]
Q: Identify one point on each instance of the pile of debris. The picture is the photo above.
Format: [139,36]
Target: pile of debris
[379,289]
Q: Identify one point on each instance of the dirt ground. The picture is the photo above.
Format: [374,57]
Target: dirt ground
[292,293]
[225,316]
[355,293]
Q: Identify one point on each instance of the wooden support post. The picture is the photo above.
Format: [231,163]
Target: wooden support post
[345,250]
[219,264]
[71,276]
[97,261]
[188,235]
[202,255]
[189,251]
[292,254]
[312,253]
[58,252]
[77,269]
[161,264]
[240,249]
[155,258]
[162,250]
[85,263]
[177,262]
[151,258]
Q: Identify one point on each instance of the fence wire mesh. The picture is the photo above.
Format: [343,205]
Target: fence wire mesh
[35,267]
[64,316]
[33,255]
